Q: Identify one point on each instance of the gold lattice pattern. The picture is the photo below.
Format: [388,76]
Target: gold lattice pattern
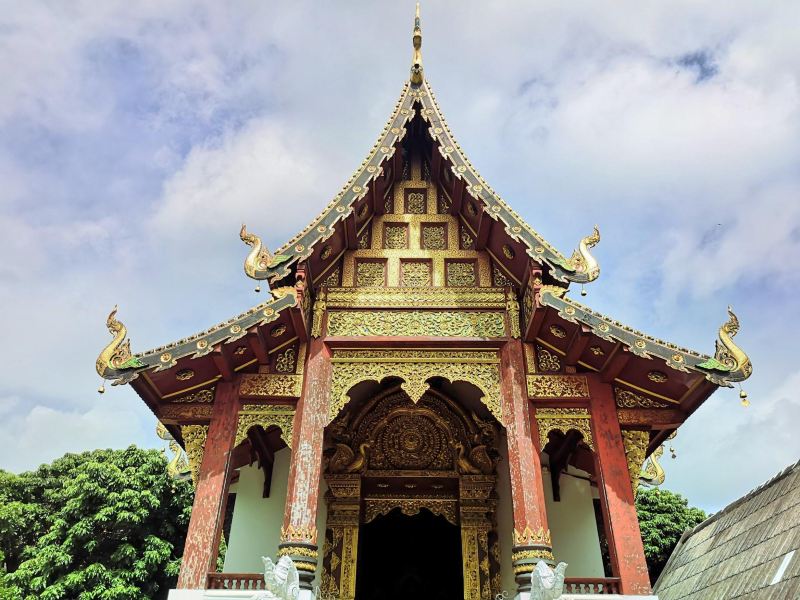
[395,237]
[370,274]
[416,274]
[434,237]
[461,274]
[416,203]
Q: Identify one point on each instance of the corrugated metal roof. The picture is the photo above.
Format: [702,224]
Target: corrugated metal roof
[739,551]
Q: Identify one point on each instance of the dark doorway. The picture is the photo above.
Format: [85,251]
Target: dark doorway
[402,557]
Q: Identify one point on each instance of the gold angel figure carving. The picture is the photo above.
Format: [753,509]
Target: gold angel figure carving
[117,355]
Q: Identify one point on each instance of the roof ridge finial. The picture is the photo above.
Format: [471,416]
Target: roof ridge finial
[416,61]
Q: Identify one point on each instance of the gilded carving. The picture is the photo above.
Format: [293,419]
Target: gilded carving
[117,355]
[332,279]
[512,308]
[434,237]
[320,306]
[370,273]
[203,396]
[194,442]
[179,412]
[498,277]
[416,323]
[547,361]
[431,297]
[529,537]
[635,443]
[467,241]
[265,415]
[416,274]
[728,356]
[272,386]
[377,506]
[395,237]
[461,274]
[629,399]
[285,363]
[415,203]
[415,367]
[564,419]
[558,386]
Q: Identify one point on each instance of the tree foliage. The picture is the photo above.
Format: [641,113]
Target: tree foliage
[106,525]
[663,517]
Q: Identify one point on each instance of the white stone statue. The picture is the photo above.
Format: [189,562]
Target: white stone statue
[281,580]
[547,584]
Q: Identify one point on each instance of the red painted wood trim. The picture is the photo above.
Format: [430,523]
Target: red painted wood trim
[211,494]
[617,496]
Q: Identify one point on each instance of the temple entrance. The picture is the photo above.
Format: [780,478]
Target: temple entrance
[401,557]
[411,499]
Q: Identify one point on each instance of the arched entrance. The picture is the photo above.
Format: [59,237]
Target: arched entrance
[396,468]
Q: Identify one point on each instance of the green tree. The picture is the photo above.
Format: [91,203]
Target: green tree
[663,517]
[106,524]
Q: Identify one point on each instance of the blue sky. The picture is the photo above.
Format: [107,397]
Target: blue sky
[135,138]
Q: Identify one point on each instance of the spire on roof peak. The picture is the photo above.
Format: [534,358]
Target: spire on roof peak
[416,61]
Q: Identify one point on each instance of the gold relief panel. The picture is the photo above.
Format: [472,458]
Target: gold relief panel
[461,273]
[629,399]
[564,419]
[499,279]
[434,236]
[271,386]
[415,367]
[286,360]
[557,386]
[635,443]
[377,506]
[371,273]
[547,361]
[395,236]
[194,441]
[416,202]
[402,297]
[332,279]
[473,324]
[416,273]
[467,241]
[266,416]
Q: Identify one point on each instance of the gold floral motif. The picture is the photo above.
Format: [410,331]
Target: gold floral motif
[371,273]
[564,419]
[178,412]
[547,361]
[415,203]
[508,251]
[415,273]
[265,415]
[332,279]
[530,537]
[299,534]
[558,331]
[194,442]
[363,240]
[272,386]
[303,551]
[434,237]
[461,274]
[285,362]
[657,376]
[415,367]
[416,323]
[635,443]
[278,330]
[512,308]
[558,386]
[432,297]
[184,374]
[498,277]
[467,240]
[395,237]
[628,399]
[202,396]
[377,506]
[597,351]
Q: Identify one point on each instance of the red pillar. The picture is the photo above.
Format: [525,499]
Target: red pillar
[531,532]
[299,532]
[614,479]
[211,493]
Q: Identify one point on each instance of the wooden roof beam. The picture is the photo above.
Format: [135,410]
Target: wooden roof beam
[616,362]
[485,224]
[258,344]
[223,361]
[577,345]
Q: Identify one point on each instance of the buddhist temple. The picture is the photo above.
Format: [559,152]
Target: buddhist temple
[420,408]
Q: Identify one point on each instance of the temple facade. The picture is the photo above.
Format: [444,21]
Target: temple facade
[420,409]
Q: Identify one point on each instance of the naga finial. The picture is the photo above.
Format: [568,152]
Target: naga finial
[117,355]
[259,257]
[416,60]
[729,357]
[582,261]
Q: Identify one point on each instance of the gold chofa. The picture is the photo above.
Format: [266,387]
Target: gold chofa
[416,60]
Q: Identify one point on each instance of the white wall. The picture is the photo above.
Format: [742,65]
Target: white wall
[256,525]
[573,526]
[505,519]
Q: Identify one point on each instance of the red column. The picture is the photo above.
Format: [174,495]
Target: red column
[531,532]
[615,483]
[299,532]
[211,493]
